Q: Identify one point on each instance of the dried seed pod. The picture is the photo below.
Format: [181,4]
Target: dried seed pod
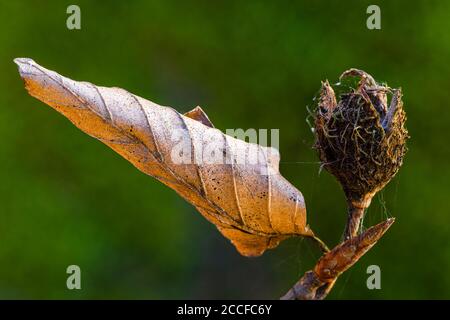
[360,139]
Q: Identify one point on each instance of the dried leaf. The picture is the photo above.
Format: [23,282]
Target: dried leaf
[251,204]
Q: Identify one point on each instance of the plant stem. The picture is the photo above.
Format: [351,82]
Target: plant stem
[356,211]
[355,216]
[320,243]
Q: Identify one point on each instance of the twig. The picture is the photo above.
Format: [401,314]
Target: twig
[354,218]
[317,283]
[356,210]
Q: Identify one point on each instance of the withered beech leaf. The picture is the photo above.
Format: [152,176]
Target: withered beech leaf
[251,204]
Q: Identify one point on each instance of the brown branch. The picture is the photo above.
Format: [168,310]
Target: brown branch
[317,283]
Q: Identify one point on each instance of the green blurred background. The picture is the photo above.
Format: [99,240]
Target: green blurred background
[68,199]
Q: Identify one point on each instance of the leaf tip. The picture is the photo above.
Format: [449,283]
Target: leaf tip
[20,61]
[24,65]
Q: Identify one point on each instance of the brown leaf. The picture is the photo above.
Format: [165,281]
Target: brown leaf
[251,204]
[198,114]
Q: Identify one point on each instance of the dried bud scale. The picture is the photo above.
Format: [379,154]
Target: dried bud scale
[360,139]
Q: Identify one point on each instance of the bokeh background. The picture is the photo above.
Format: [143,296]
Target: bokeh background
[65,198]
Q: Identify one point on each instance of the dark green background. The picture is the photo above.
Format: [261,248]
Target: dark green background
[68,199]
